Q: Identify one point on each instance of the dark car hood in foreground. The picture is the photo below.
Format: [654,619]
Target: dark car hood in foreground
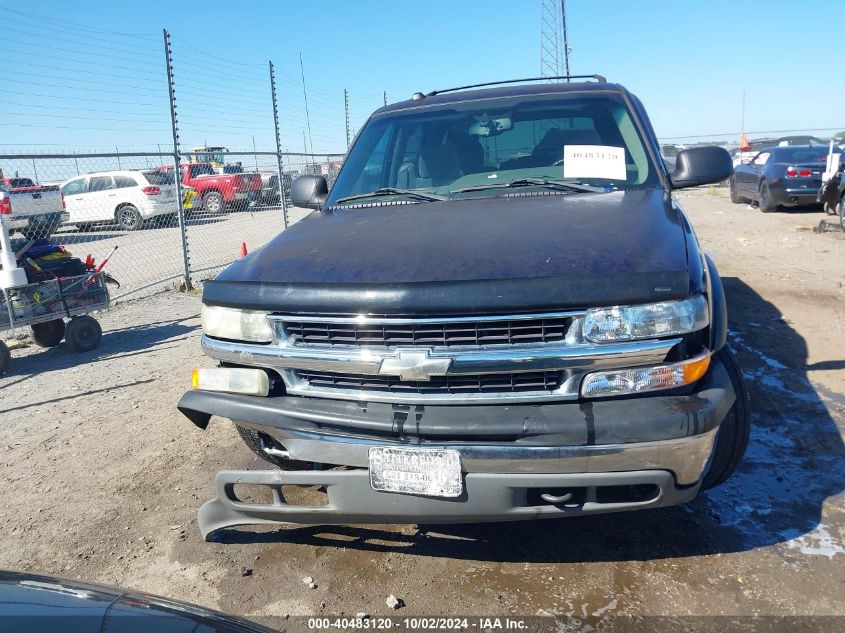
[476,255]
[31,603]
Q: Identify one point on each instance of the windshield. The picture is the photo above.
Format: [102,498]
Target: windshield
[577,138]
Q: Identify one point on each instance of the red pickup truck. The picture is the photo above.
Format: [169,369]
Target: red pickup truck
[219,191]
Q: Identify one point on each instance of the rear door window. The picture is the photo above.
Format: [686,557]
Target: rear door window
[100,183]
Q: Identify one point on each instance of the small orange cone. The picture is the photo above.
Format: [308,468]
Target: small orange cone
[243,249]
[744,145]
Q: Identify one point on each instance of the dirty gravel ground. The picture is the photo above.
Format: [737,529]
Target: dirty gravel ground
[102,478]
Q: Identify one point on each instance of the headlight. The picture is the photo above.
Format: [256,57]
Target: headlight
[237,325]
[639,379]
[650,320]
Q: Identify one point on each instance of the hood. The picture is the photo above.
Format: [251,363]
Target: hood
[515,252]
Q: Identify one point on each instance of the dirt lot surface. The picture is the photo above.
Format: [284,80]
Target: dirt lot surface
[101,478]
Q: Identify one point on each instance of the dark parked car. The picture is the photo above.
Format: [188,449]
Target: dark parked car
[32,603]
[498,312]
[781,176]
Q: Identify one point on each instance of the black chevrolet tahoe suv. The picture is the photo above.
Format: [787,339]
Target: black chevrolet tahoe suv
[498,312]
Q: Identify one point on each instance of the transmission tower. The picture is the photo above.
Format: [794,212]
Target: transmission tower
[554,41]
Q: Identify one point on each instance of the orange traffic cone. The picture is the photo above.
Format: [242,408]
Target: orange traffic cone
[243,249]
[744,145]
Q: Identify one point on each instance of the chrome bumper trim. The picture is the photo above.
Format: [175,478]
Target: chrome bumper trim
[574,358]
[684,457]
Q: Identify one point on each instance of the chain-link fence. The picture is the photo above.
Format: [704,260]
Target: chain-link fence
[119,140]
[92,204]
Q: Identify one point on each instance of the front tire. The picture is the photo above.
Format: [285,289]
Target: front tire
[5,358]
[83,333]
[256,442]
[49,333]
[212,201]
[735,197]
[129,218]
[767,203]
[842,213]
[732,437]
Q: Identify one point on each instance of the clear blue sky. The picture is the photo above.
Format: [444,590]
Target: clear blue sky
[90,75]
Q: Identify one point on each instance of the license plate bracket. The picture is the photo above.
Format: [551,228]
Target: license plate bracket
[416,471]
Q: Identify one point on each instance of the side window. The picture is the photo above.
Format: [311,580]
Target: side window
[100,183]
[74,187]
[121,182]
[761,158]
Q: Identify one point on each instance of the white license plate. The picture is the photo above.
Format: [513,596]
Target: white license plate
[416,471]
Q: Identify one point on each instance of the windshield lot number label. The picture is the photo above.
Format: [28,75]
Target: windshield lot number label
[594,161]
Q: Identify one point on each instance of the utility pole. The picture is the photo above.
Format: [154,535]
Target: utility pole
[305,95]
[346,113]
[554,39]
[174,123]
[385,97]
[279,169]
[566,49]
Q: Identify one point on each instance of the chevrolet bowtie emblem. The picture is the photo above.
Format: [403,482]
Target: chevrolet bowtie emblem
[412,365]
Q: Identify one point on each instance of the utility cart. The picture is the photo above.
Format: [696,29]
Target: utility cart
[43,306]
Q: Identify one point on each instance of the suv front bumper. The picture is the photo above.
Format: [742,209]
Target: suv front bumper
[509,454]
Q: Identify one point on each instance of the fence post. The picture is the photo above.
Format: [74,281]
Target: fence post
[177,167]
[346,115]
[278,145]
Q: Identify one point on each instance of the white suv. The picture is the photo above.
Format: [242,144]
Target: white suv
[127,197]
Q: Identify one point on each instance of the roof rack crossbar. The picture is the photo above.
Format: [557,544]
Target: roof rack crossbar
[599,78]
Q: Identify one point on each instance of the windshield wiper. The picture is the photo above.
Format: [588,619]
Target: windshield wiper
[392,191]
[537,182]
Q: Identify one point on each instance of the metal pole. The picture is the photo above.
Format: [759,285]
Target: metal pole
[565,39]
[254,152]
[279,169]
[117,151]
[177,167]
[305,95]
[346,115]
[385,97]
[34,170]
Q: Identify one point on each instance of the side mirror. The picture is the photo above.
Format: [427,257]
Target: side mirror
[309,192]
[701,166]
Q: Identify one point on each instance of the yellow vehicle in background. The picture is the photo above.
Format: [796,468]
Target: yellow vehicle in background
[213,154]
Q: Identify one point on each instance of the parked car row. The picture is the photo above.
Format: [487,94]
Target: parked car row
[131,199]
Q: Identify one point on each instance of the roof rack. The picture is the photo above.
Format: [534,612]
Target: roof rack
[599,78]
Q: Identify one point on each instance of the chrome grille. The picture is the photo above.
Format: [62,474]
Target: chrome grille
[518,382]
[427,332]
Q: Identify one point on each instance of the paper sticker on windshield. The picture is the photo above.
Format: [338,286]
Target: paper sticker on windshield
[594,161]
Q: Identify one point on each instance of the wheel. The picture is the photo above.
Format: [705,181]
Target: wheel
[256,441]
[5,358]
[735,197]
[49,333]
[767,203]
[212,201]
[83,333]
[842,213]
[733,434]
[129,218]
